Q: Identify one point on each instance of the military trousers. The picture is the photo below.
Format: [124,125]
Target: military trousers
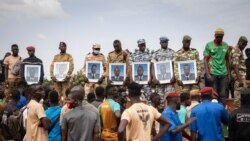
[237,90]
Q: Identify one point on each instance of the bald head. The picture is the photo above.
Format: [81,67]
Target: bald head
[77,92]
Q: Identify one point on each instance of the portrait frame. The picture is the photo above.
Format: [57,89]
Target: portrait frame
[193,71]
[122,75]
[36,70]
[61,70]
[99,70]
[163,78]
[146,70]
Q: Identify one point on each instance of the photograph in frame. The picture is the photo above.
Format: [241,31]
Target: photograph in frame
[187,71]
[117,73]
[141,72]
[93,70]
[61,70]
[32,74]
[163,71]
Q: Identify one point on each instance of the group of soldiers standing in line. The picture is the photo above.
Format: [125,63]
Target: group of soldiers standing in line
[222,64]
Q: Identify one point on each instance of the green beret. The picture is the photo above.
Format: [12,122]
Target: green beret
[187,38]
[243,38]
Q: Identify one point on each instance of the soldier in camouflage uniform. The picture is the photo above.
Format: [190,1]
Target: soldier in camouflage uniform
[95,55]
[185,54]
[118,56]
[163,54]
[238,72]
[142,55]
[61,87]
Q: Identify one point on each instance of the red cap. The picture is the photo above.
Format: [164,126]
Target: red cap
[62,43]
[173,94]
[207,90]
[30,48]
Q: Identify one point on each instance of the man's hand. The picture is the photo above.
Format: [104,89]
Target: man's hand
[101,80]
[198,79]
[53,79]
[109,81]
[126,81]
[149,81]
[155,81]
[172,80]
[191,120]
[179,82]
[210,77]
[67,78]
[85,79]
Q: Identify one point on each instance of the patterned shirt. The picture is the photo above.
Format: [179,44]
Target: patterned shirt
[182,55]
[163,55]
[121,57]
[237,58]
[62,57]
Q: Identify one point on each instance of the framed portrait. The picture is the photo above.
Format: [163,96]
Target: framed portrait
[163,71]
[61,70]
[117,73]
[93,70]
[187,71]
[32,74]
[141,72]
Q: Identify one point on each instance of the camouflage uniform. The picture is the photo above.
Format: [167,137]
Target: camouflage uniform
[163,55]
[237,58]
[182,55]
[121,57]
[61,87]
[90,86]
[145,56]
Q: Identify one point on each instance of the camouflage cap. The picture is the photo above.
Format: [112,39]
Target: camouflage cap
[95,45]
[187,38]
[141,41]
[243,38]
[164,38]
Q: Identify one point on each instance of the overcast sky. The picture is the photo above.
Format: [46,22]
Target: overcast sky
[80,23]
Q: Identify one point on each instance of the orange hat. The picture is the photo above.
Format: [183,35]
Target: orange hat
[195,92]
[173,94]
[219,31]
[207,90]
[30,48]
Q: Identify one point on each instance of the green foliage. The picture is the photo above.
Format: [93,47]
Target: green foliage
[77,79]
[47,82]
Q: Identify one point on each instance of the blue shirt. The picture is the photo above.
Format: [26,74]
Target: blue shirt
[53,113]
[173,118]
[22,102]
[208,124]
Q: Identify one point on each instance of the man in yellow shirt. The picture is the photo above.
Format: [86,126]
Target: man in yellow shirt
[95,55]
[11,79]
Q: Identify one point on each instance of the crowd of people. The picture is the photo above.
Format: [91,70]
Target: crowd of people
[132,111]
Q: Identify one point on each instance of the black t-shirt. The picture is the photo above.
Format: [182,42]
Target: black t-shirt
[239,126]
[247,62]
